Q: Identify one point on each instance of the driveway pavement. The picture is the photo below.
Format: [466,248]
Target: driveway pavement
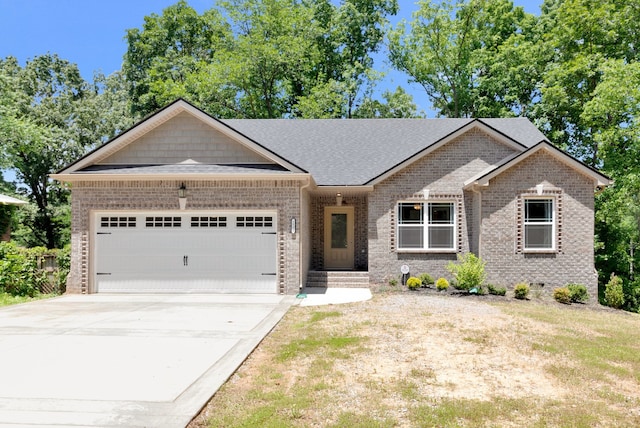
[125,360]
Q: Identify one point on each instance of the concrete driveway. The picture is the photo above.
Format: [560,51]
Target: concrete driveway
[125,360]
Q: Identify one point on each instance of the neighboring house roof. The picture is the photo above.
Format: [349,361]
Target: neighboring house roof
[335,152]
[8,200]
[483,178]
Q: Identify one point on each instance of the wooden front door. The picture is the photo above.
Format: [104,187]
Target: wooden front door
[338,238]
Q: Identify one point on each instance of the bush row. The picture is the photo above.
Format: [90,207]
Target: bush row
[21,273]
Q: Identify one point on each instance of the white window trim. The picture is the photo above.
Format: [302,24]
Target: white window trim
[554,224]
[425,227]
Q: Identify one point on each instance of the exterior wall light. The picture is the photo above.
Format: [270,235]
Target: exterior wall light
[339,199]
[182,196]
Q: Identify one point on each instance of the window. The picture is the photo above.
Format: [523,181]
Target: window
[117,222]
[208,221]
[163,221]
[539,224]
[254,221]
[426,226]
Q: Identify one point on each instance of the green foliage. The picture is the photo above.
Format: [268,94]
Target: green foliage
[474,59]
[413,283]
[578,293]
[497,291]
[521,290]
[468,272]
[393,282]
[614,293]
[49,117]
[442,284]
[264,59]
[426,279]
[562,295]
[19,273]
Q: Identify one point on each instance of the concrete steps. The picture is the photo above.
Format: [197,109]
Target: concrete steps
[338,279]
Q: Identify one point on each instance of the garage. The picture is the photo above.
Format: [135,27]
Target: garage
[185,252]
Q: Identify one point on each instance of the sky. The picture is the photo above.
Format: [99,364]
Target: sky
[90,33]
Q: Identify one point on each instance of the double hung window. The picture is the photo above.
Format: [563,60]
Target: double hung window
[539,224]
[426,226]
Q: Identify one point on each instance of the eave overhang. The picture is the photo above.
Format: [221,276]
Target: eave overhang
[483,179]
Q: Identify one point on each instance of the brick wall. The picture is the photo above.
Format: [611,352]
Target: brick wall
[282,196]
[507,262]
[443,172]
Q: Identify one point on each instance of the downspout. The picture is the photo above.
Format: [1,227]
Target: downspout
[300,279]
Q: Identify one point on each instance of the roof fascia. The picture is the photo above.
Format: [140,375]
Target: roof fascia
[71,178]
[599,178]
[162,116]
[473,124]
[344,190]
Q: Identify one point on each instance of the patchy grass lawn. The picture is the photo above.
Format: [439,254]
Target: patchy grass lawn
[402,360]
[7,299]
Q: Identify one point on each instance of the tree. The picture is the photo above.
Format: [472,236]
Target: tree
[473,58]
[41,130]
[584,35]
[259,58]
[170,48]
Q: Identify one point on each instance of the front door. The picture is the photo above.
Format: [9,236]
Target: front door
[338,238]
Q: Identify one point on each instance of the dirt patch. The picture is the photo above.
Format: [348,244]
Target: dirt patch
[415,346]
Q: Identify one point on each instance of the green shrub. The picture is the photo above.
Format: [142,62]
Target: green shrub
[442,284]
[497,291]
[413,283]
[19,273]
[562,295]
[578,293]
[468,272]
[521,290]
[393,282]
[426,279]
[614,292]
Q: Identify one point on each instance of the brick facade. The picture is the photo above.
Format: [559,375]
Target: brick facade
[443,172]
[282,196]
[489,219]
[572,261]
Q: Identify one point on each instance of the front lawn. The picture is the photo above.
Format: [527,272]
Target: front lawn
[403,359]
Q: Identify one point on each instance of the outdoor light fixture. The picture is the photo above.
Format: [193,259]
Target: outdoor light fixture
[339,199]
[182,196]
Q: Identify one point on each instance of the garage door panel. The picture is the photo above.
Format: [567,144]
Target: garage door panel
[183,258]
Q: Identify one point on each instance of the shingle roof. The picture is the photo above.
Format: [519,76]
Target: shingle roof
[353,152]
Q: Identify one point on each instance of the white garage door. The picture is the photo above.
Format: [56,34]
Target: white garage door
[186,252]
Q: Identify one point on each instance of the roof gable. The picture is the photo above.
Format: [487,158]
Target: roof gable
[484,178]
[179,134]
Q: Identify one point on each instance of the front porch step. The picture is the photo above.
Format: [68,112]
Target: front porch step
[338,279]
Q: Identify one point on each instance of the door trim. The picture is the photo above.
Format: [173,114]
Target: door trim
[348,256]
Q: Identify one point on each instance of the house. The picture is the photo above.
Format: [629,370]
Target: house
[184,202]
[5,215]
